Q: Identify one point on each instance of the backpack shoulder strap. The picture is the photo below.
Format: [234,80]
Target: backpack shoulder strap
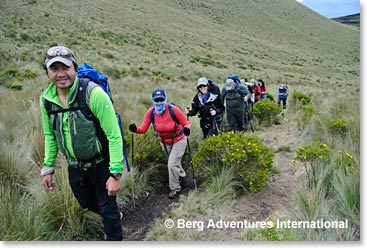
[238,89]
[47,104]
[152,121]
[172,113]
[81,99]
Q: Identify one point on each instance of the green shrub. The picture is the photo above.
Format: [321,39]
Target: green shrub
[267,111]
[14,87]
[270,97]
[114,73]
[251,160]
[30,74]
[10,72]
[309,155]
[208,61]
[337,126]
[301,98]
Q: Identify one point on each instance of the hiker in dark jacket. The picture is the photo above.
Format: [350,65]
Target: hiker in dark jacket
[209,106]
[235,95]
[171,134]
[94,176]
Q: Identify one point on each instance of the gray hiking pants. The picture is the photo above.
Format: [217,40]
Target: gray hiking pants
[175,170]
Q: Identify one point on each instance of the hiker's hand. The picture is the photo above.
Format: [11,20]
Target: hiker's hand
[188,110]
[113,186]
[47,182]
[245,99]
[132,127]
[186,131]
[213,112]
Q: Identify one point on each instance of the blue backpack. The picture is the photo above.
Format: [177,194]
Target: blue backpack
[87,73]
[237,83]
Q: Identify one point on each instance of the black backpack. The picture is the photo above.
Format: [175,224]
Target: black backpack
[213,87]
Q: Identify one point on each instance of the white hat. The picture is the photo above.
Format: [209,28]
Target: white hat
[202,81]
[229,84]
[59,54]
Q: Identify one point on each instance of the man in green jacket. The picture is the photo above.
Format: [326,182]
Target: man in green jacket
[235,95]
[93,152]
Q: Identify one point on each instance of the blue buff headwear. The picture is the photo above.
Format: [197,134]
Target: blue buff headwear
[159,100]
[160,107]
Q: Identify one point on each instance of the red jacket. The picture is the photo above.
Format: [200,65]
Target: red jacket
[256,90]
[165,125]
[263,91]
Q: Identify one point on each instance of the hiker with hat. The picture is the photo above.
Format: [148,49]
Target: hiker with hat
[282,95]
[172,127]
[93,152]
[235,95]
[209,106]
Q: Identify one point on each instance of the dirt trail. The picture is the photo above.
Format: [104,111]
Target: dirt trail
[274,200]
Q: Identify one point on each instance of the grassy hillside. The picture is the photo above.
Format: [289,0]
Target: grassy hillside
[181,39]
[149,43]
[353,20]
[144,44]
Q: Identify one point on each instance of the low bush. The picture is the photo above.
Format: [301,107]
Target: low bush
[251,160]
[313,153]
[267,112]
[301,98]
[14,87]
[338,126]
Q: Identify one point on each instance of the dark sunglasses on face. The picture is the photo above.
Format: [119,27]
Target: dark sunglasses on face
[55,52]
[159,100]
[201,86]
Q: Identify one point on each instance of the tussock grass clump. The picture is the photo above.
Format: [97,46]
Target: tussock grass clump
[199,206]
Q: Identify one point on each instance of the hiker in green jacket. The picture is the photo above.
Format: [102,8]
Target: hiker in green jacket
[94,154]
[235,95]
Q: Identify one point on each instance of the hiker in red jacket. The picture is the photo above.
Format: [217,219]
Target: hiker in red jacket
[255,89]
[262,86]
[172,127]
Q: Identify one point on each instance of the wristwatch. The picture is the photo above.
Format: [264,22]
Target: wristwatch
[116,176]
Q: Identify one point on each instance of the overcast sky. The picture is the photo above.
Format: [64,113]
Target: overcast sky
[333,8]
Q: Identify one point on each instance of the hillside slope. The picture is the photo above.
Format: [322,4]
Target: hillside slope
[275,40]
[353,20]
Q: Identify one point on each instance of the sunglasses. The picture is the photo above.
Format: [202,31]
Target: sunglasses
[159,100]
[59,52]
[201,86]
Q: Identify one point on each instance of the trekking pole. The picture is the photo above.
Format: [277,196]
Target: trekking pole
[190,158]
[132,149]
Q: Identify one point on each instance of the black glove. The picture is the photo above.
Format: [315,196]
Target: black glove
[186,131]
[132,127]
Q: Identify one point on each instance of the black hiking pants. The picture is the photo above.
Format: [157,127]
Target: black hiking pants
[235,119]
[284,101]
[89,188]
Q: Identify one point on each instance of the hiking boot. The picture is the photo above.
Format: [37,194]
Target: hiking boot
[173,194]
